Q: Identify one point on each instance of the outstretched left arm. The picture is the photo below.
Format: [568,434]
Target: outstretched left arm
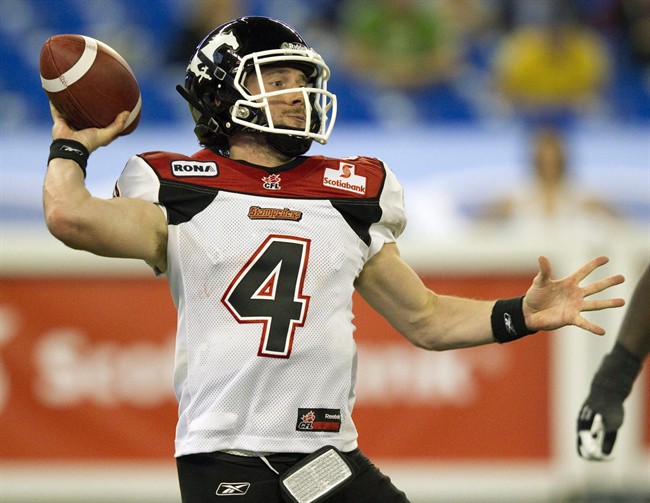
[440,322]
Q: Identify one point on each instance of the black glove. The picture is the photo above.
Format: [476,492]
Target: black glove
[602,413]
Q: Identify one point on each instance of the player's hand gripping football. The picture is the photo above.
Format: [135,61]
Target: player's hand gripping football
[91,138]
[550,304]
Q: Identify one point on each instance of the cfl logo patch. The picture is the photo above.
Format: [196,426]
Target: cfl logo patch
[233,488]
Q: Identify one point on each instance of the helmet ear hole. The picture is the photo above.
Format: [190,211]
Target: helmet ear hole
[226,96]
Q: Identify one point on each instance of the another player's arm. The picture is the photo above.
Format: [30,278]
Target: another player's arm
[440,322]
[634,333]
[119,227]
[602,412]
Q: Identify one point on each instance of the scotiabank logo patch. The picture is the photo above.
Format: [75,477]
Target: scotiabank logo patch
[319,420]
[345,178]
[194,168]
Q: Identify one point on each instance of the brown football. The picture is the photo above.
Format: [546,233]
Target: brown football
[88,82]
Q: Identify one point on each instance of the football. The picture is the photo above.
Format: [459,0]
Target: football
[88,82]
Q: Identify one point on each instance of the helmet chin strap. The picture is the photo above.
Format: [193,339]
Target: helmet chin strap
[291,146]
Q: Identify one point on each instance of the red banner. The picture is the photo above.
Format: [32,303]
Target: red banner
[87,369]
[86,373]
[489,402]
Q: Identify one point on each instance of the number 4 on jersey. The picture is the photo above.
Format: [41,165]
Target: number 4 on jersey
[268,290]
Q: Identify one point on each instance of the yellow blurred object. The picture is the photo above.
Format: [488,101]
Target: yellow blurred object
[566,66]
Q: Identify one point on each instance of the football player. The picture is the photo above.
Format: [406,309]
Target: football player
[263,247]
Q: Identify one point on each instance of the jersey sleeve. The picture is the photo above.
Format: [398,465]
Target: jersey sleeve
[139,180]
[393,218]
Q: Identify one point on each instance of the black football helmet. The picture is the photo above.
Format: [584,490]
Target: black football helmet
[221,104]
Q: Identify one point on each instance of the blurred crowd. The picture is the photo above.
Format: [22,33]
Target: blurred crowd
[394,62]
[399,61]
[539,66]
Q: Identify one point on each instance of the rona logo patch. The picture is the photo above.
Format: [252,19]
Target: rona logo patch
[194,168]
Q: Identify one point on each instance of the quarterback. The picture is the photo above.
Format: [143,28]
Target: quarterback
[263,247]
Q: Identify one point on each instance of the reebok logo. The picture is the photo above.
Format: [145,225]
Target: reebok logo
[292,46]
[232,488]
[510,327]
[71,149]
[194,168]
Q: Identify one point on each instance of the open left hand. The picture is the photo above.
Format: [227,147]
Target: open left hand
[550,304]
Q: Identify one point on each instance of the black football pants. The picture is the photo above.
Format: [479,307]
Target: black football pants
[206,478]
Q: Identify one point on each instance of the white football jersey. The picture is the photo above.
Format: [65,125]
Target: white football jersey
[261,266]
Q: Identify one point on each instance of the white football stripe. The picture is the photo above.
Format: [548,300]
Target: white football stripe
[134,113]
[77,71]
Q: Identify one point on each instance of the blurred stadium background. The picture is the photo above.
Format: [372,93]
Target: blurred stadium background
[86,411]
